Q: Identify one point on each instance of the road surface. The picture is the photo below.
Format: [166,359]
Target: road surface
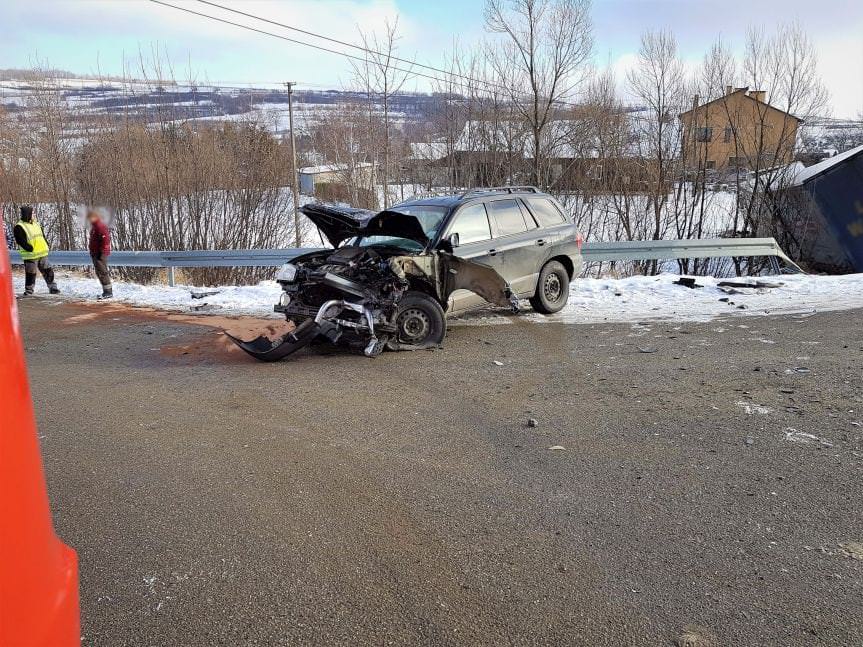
[709,487]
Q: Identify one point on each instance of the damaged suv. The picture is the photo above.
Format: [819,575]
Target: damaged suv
[391,276]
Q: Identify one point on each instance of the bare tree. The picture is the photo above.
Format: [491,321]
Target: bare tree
[344,139]
[381,76]
[542,54]
[659,82]
[786,63]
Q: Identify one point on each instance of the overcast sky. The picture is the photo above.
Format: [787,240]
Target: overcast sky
[86,35]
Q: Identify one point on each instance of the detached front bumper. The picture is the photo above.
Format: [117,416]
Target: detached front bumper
[323,321]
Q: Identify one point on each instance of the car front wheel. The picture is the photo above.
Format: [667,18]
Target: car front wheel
[420,321]
[552,289]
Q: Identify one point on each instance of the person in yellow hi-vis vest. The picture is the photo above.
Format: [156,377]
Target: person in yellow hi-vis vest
[34,252]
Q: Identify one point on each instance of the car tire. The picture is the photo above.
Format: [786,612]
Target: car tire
[420,322]
[552,289]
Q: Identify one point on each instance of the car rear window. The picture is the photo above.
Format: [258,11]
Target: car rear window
[471,224]
[545,211]
[507,216]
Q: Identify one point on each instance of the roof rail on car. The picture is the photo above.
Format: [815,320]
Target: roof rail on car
[501,189]
[433,193]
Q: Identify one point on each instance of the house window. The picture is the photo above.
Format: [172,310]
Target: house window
[736,161]
[710,165]
[704,134]
[728,133]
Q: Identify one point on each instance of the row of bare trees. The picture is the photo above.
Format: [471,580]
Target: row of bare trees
[526,105]
[169,182]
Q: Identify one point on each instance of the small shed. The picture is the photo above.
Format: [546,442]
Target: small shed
[831,193]
[312,176]
[817,212]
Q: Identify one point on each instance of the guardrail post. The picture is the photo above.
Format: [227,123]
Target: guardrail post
[774,265]
[171,278]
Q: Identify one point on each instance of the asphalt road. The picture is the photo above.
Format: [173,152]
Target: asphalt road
[334,499]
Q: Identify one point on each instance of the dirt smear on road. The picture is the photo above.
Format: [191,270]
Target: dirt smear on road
[209,344]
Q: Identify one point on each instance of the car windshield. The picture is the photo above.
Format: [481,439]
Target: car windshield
[430,218]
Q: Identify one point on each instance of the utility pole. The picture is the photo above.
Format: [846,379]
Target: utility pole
[294,175]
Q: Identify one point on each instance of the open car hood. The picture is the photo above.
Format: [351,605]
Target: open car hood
[340,223]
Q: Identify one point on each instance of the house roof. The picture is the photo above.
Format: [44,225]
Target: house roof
[745,92]
[561,139]
[331,168]
[428,150]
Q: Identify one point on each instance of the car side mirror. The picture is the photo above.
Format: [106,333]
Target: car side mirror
[453,239]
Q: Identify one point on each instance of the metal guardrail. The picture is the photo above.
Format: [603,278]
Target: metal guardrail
[666,250]
[171,260]
[647,250]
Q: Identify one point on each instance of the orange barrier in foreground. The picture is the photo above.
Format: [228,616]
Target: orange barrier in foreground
[38,572]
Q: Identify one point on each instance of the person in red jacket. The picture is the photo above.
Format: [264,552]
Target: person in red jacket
[100,248]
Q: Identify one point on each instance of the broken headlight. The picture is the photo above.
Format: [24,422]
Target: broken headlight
[287,273]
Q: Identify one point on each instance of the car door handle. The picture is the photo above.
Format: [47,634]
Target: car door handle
[540,242]
[492,252]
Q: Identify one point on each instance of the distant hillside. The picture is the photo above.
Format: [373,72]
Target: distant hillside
[151,101]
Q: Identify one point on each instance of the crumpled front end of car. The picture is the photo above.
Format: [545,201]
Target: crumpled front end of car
[369,300]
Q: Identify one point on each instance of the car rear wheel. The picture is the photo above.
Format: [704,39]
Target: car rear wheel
[420,321]
[552,289]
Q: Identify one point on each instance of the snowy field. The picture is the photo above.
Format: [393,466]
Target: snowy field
[634,299]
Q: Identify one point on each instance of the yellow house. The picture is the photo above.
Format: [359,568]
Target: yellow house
[738,130]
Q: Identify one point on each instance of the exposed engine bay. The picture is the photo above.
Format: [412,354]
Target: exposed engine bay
[375,296]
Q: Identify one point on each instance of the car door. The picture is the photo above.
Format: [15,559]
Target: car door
[471,224]
[518,242]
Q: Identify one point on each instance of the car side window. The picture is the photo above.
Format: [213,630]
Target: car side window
[471,224]
[507,217]
[545,211]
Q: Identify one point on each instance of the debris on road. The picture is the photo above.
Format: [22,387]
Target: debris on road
[199,294]
[795,436]
[498,363]
[852,549]
[688,282]
[749,408]
[557,448]
[694,636]
[748,284]
[533,423]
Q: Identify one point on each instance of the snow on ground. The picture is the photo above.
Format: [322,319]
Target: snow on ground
[633,299]
[255,300]
[657,298]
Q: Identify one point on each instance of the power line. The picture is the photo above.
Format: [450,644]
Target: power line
[353,45]
[345,54]
[293,40]
[480,82]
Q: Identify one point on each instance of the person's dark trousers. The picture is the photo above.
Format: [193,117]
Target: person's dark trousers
[100,264]
[42,265]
